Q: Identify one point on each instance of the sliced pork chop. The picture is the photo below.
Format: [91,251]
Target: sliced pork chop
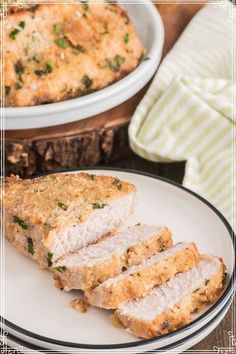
[170,305]
[94,264]
[51,216]
[138,280]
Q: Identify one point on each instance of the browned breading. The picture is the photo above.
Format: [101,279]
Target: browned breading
[111,295]
[39,210]
[49,58]
[79,305]
[87,276]
[180,314]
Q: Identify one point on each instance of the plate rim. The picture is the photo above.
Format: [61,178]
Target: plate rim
[172,346]
[228,292]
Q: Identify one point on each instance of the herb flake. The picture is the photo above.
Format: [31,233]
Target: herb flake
[20,222]
[60,269]
[49,259]
[115,63]
[57,29]
[61,42]
[62,206]
[15,32]
[30,245]
[49,66]
[18,85]
[98,205]
[126,38]
[19,68]
[86,81]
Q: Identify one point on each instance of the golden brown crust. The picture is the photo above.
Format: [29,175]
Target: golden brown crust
[79,305]
[135,285]
[96,47]
[49,201]
[181,314]
[38,210]
[91,276]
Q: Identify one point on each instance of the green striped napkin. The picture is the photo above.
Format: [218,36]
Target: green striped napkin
[187,113]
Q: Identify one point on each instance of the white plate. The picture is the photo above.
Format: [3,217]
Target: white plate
[41,312]
[177,347]
[149,27]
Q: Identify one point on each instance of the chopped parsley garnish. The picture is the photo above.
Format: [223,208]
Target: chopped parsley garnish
[117,183]
[87,82]
[207,282]
[161,243]
[20,222]
[165,324]
[49,66]
[7,90]
[18,85]
[49,259]
[61,42]
[19,68]
[126,38]
[115,63]
[98,205]
[57,29]
[61,269]
[30,245]
[62,206]
[14,33]
[48,69]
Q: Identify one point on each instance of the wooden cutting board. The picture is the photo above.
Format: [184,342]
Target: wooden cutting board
[100,139]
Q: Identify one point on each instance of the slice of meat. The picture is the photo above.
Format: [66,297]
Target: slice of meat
[96,263]
[138,280]
[54,52]
[170,305]
[50,216]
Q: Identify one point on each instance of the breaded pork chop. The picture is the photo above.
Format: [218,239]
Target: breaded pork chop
[59,51]
[96,263]
[170,306]
[137,280]
[51,216]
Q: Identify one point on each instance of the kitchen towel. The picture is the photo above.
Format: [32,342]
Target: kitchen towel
[189,112]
